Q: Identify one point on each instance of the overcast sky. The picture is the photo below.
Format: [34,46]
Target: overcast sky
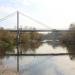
[55,13]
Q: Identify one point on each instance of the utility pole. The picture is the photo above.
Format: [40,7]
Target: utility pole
[18,41]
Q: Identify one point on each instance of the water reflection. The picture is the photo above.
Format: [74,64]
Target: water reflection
[71,49]
[54,44]
[42,47]
[29,46]
[45,65]
[3,52]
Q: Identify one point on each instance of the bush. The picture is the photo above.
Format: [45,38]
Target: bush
[6,42]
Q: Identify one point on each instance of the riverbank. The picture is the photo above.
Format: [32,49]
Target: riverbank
[4,70]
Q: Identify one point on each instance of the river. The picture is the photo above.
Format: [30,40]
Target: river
[42,65]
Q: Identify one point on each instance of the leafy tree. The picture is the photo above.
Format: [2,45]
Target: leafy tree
[68,40]
[69,36]
[6,42]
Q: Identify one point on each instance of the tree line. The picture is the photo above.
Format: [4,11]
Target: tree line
[8,40]
[68,40]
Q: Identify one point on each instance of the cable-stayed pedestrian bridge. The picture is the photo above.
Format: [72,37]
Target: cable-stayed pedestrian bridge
[19,22]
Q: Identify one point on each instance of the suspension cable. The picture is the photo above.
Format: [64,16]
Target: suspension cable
[35,20]
[6,17]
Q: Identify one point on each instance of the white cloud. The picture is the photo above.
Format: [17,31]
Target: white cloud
[27,2]
[56,13]
[5,10]
[24,2]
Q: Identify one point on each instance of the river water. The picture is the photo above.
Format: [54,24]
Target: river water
[42,65]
